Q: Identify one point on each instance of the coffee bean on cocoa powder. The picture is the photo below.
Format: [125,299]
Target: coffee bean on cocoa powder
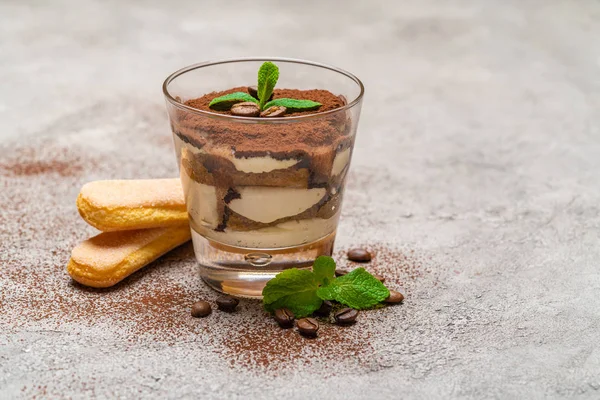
[253,91]
[245,109]
[308,327]
[395,297]
[273,112]
[325,308]
[359,255]
[227,303]
[341,272]
[284,317]
[379,278]
[201,309]
[346,316]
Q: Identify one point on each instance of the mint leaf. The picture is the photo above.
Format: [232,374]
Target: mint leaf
[324,269]
[288,281]
[224,103]
[268,74]
[295,289]
[302,304]
[357,289]
[294,105]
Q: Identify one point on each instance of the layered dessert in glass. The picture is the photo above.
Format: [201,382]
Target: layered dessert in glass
[263,194]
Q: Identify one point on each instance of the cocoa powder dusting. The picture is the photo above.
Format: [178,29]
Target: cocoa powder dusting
[41,167]
[401,268]
[259,138]
[147,303]
[30,162]
[40,226]
[261,344]
[328,100]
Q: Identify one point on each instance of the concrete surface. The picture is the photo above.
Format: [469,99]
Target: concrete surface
[476,181]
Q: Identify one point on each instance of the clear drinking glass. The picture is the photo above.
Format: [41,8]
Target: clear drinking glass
[256,213]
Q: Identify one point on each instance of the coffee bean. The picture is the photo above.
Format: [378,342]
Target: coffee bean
[201,309]
[284,317]
[253,91]
[341,272]
[346,316]
[274,111]
[227,303]
[379,278]
[325,308]
[395,297]
[245,109]
[308,327]
[360,255]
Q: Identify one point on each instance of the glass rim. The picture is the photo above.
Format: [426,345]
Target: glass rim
[192,67]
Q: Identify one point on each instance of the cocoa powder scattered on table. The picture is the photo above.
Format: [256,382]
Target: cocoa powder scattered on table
[261,344]
[40,226]
[31,162]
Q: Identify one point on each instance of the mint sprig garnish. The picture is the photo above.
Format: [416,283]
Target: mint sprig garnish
[303,291]
[224,103]
[268,75]
[293,104]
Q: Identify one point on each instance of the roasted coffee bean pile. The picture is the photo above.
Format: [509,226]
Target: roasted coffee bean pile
[307,327]
[203,308]
[251,109]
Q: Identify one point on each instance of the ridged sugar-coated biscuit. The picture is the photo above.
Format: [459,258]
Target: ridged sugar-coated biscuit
[118,205]
[109,257]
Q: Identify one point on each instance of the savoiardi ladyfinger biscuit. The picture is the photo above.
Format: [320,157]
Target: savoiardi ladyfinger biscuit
[109,257]
[116,205]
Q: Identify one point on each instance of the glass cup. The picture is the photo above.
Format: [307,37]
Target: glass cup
[262,194]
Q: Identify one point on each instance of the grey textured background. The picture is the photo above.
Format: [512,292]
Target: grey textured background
[478,161]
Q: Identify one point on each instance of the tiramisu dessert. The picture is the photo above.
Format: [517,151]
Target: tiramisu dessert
[265,179]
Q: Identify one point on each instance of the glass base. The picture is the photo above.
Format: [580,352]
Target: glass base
[241,271]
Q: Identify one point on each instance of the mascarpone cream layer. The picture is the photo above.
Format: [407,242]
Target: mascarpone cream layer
[201,201]
[340,161]
[268,204]
[258,203]
[261,164]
